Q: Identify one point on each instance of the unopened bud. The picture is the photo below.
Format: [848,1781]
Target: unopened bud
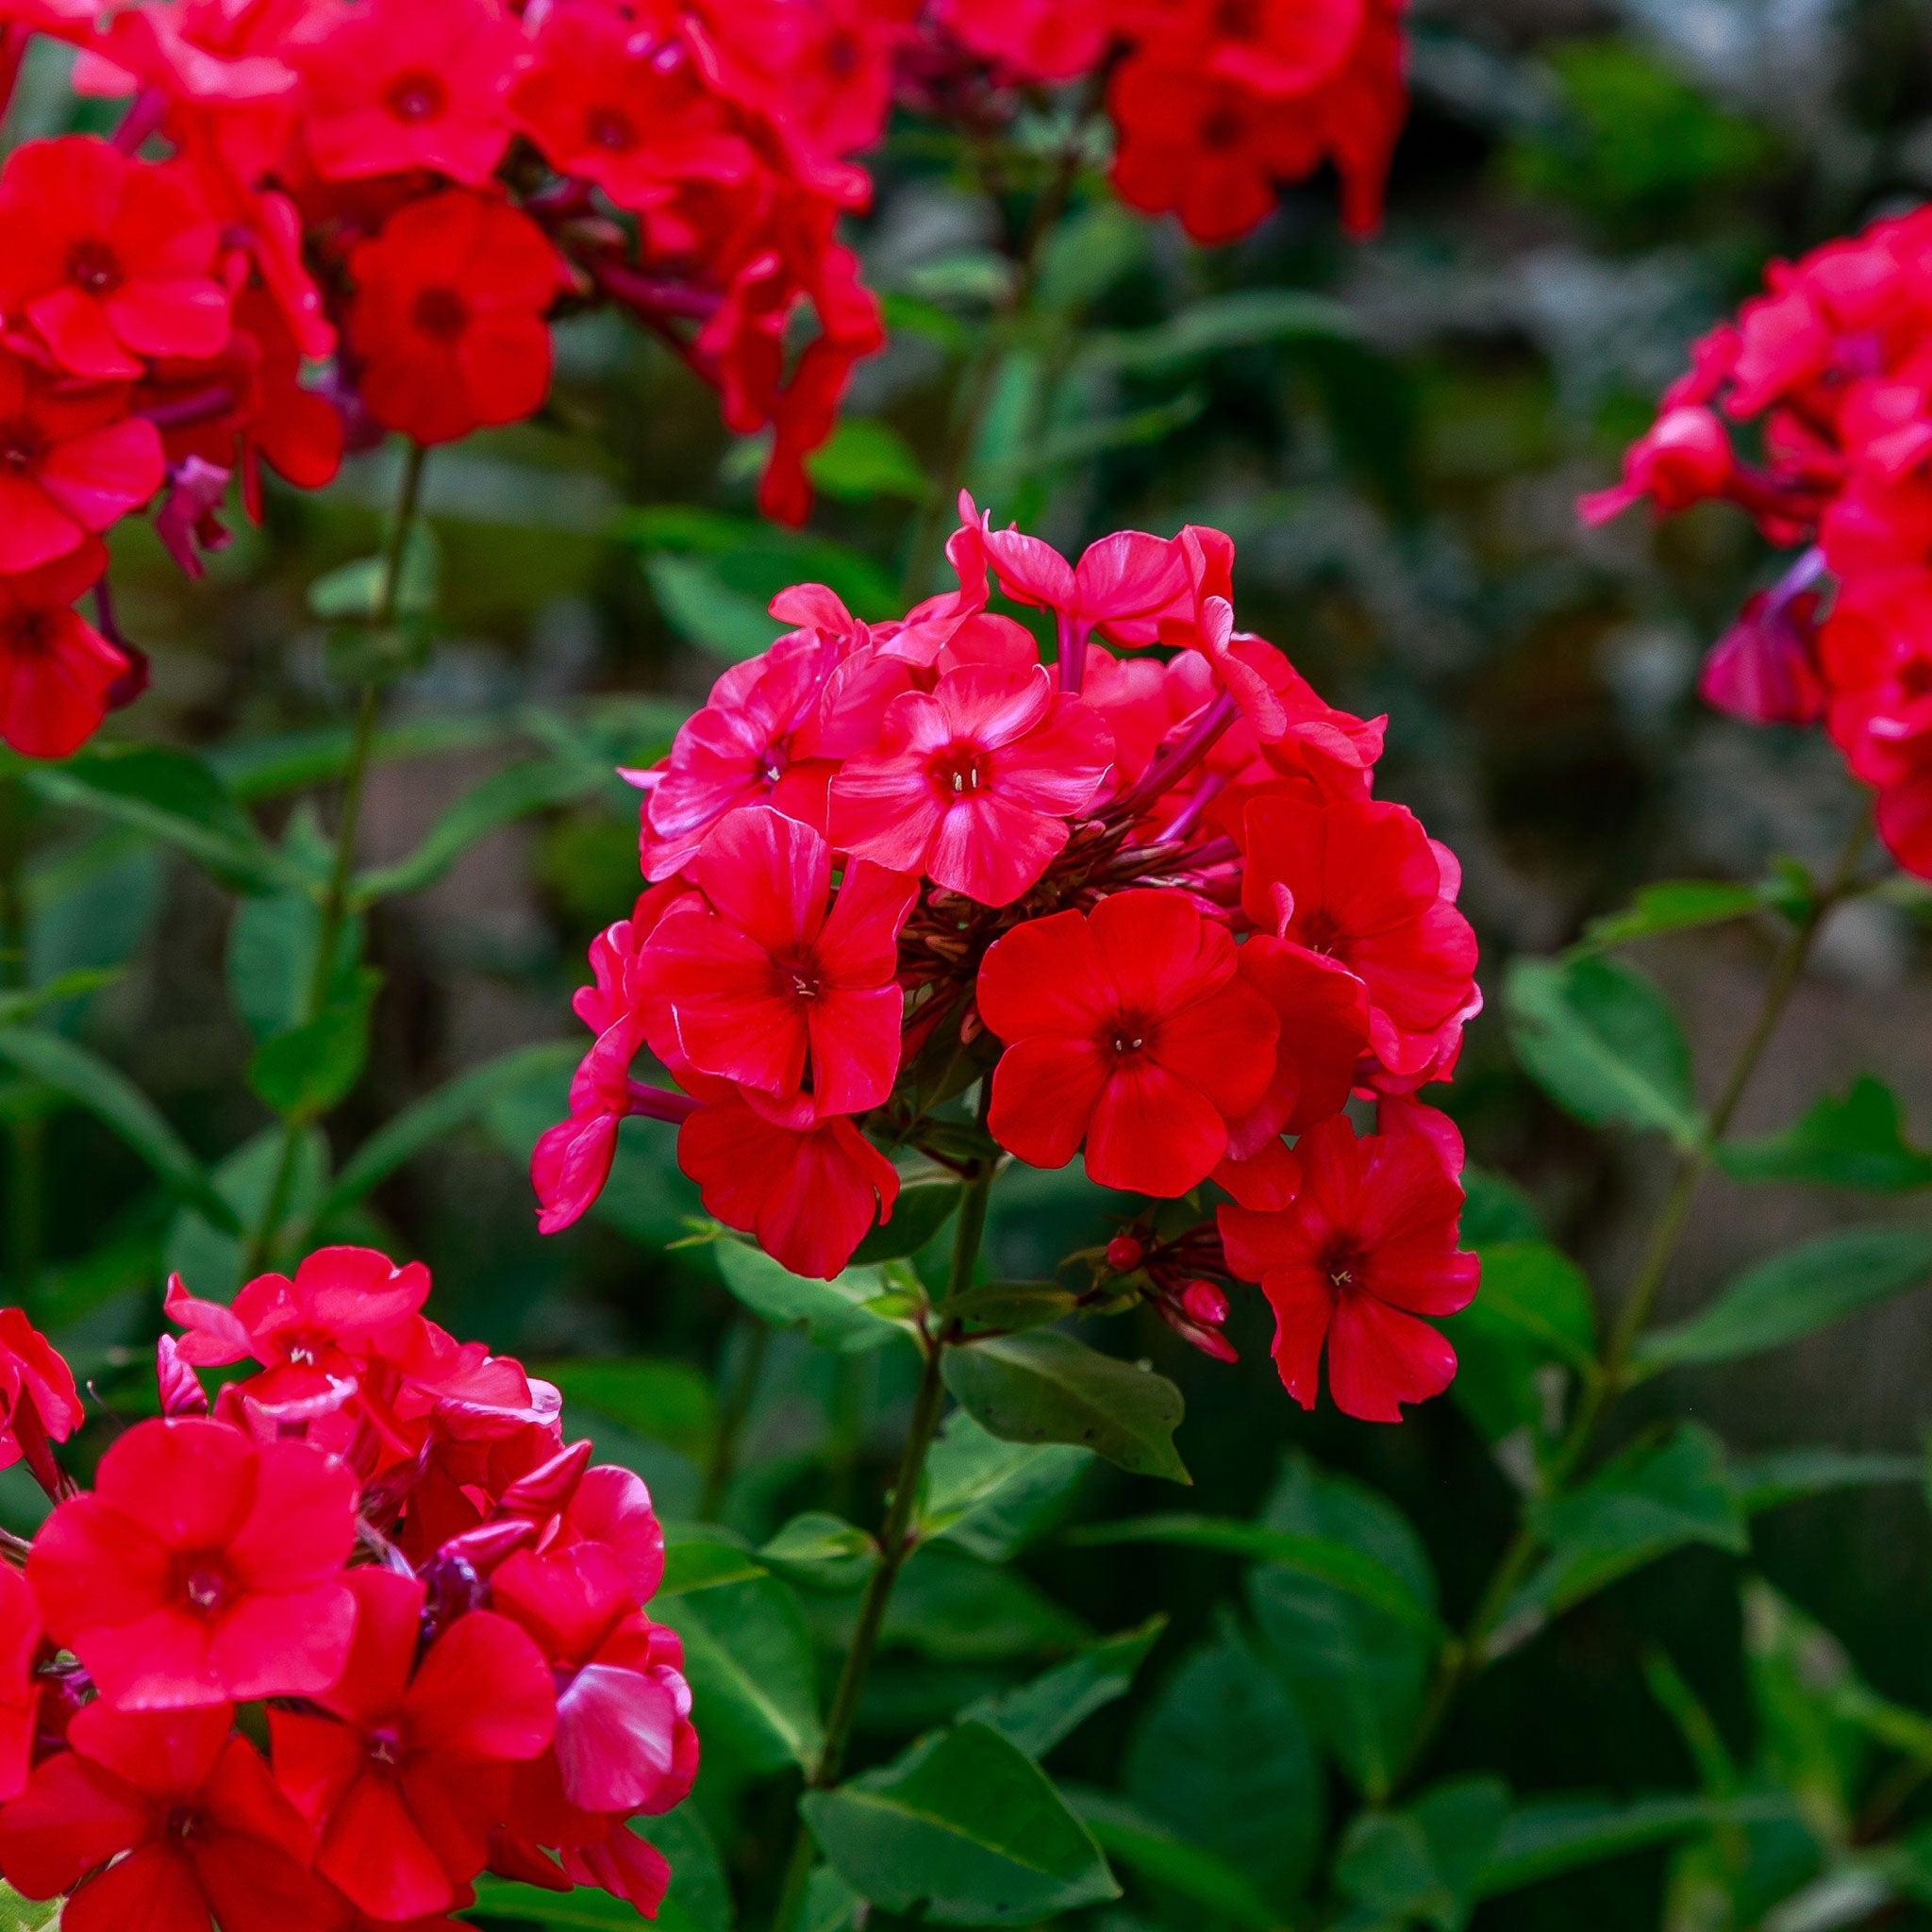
[547,1489]
[1125,1253]
[1205,1302]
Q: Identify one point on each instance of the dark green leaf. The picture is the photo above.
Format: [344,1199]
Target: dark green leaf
[967,1825]
[1425,1861]
[1597,1036]
[830,1903]
[699,1560]
[1356,1668]
[1218,1886]
[1674,906]
[1496,1209]
[273,767]
[662,1400]
[834,1314]
[1790,1476]
[272,942]
[1855,1143]
[586,1907]
[1653,1498]
[701,607]
[425,1121]
[19,1914]
[73,984]
[820,1552]
[208,1257]
[991,1498]
[1046,1387]
[1037,1716]
[1547,1837]
[921,1209]
[1227,1758]
[1534,1308]
[356,592]
[1013,1305]
[909,315]
[106,1093]
[1332,1561]
[954,1610]
[699,1898]
[1795,1294]
[749,1659]
[864,460]
[1237,321]
[301,1074]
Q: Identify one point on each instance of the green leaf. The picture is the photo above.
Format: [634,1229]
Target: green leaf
[834,1314]
[208,1255]
[1243,320]
[73,985]
[1546,1838]
[272,942]
[1331,1560]
[921,1209]
[954,1610]
[662,1400]
[753,560]
[830,1903]
[1037,1716]
[19,1914]
[864,460]
[1855,1143]
[1012,1305]
[103,1091]
[1496,1209]
[586,1907]
[820,1552]
[1080,442]
[1227,1758]
[352,592]
[1534,1308]
[172,795]
[700,606]
[699,1897]
[424,1122]
[1046,1387]
[1425,1861]
[1653,1498]
[1357,1668]
[1218,1886]
[1796,1293]
[1674,906]
[967,1825]
[1597,1036]
[1790,1476]
[500,800]
[748,1655]
[698,1559]
[304,1073]
[991,1498]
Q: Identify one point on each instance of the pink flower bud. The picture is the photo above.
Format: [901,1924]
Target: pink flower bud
[1125,1254]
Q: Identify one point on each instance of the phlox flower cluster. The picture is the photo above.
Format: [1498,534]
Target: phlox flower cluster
[319,221]
[311,1656]
[1813,411]
[1141,891]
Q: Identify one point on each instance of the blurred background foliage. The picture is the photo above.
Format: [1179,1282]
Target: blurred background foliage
[1394,434]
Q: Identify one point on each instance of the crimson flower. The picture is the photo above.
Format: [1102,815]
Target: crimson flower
[1122,585]
[1359,882]
[202,1567]
[161,1820]
[37,1396]
[448,316]
[20,1696]
[1683,457]
[71,460]
[767,988]
[109,259]
[1126,1027]
[807,1195]
[1038,39]
[394,85]
[57,672]
[972,782]
[1367,1246]
[405,1776]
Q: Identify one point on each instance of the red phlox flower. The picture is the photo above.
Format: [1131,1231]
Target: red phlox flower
[405,1775]
[611,101]
[1128,1029]
[1367,1246]
[1683,458]
[108,260]
[393,85]
[1122,586]
[57,673]
[72,461]
[624,1740]
[1765,667]
[449,316]
[1360,882]
[1322,1013]
[163,1820]
[973,783]
[202,1567]
[572,1160]
[1035,40]
[20,1695]
[768,989]
[807,1195]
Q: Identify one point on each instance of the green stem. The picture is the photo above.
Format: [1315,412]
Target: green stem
[897,1538]
[1465,1658]
[260,1247]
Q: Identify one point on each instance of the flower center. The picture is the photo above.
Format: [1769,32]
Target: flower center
[20,447]
[183,1822]
[417,96]
[611,129]
[93,266]
[801,972]
[442,314]
[842,57]
[961,771]
[204,1582]
[1222,130]
[1127,1036]
[31,633]
[1319,931]
[385,1746]
[1344,1264]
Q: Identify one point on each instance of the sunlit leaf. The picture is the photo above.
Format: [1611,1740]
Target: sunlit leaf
[1855,1143]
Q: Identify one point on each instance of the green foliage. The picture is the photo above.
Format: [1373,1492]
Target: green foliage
[665,1401]
[1422,1865]
[1674,905]
[1855,1143]
[866,458]
[921,1209]
[302,1073]
[835,1314]
[1173,1867]
[991,1497]
[1035,1716]
[753,1683]
[1534,1309]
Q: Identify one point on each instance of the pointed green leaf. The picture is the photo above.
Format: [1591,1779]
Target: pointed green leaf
[1038,1715]
[921,1209]
[822,1552]
[967,1825]
[748,1655]
[356,591]
[1855,1143]
[1426,1861]
[698,1559]
[1242,319]
[660,1400]
[1796,1293]
[702,607]
[1534,1308]
[1218,1886]
[991,1498]
[301,1074]
[864,460]
[1545,1838]
[1599,1038]
[1046,1387]
[585,1909]
[1790,1476]
[208,1257]
[835,1314]
[1674,906]
[954,1610]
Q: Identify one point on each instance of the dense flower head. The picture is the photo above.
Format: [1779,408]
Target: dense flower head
[1138,898]
[378,1533]
[1827,369]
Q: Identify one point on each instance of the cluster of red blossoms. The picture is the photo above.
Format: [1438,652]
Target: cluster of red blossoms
[312,1657]
[402,195]
[1832,367]
[1145,893]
